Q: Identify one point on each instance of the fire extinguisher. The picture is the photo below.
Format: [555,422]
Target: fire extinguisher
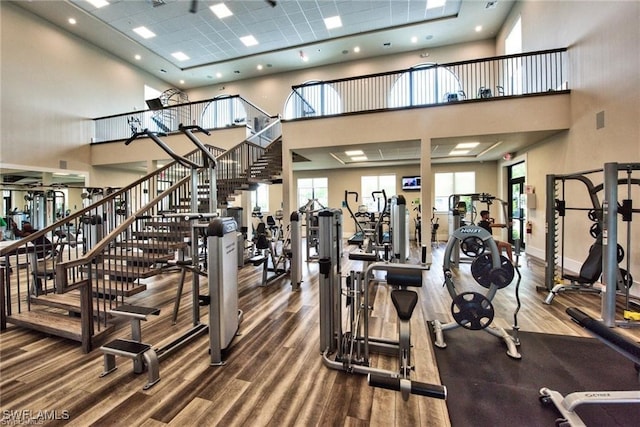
[529,226]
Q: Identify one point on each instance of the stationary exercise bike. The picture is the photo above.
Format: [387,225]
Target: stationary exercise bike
[349,349]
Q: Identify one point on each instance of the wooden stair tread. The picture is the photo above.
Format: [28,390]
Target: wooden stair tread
[69,301]
[152,245]
[57,324]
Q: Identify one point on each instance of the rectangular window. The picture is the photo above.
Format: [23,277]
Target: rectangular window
[313,189]
[260,198]
[448,183]
[371,186]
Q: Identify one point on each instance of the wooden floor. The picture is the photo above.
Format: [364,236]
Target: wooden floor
[274,373]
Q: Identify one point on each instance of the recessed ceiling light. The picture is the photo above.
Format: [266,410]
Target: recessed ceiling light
[458,152]
[259,67]
[221,10]
[463,145]
[478,28]
[333,22]
[249,40]
[352,153]
[180,56]
[359,158]
[218,75]
[72,21]
[434,4]
[98,3]
[144,32]
[138,57]
[356,49]
[414,39]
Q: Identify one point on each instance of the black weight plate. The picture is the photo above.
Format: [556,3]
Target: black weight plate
[481,269]
[483,272]
[472,310]
[619,253]
[627,279]
[472,246]
[503,276]
[595,230]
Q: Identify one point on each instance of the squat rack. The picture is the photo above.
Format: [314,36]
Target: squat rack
[606,215]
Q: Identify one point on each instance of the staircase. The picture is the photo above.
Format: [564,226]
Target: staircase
[111,247]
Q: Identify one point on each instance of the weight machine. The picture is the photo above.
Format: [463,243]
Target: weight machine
[349,350]
[458,210]
[310,211]
[221,262]
[606,254]
[472,310]
[399,229]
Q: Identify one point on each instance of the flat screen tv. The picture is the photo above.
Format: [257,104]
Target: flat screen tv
[411,183]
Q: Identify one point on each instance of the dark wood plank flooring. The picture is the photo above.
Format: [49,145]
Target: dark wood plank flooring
[274,373]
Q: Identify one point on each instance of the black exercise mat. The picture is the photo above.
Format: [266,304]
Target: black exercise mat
[488,388]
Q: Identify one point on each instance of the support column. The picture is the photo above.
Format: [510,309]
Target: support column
[426,196]
[610,243]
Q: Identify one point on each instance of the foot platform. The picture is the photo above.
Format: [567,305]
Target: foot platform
[142,355]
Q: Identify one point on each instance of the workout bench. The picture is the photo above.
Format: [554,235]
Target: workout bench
[141,353]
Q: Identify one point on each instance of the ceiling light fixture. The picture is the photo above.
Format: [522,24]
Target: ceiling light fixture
[434,4]
[463,145]
[304,57]
[221,10]
[359,159]
[249,40]
[414,39]
[144,32]
[352,153]
[478,28]
[180,56]
[356,49]
[98,3]
[259,67]
[458,152]
[138,57]
[333,22]
[73,21]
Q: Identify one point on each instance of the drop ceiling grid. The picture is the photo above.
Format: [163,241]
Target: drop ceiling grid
[288,24]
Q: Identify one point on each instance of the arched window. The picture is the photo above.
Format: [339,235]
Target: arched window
[223,111]
[312,99]
[422,85]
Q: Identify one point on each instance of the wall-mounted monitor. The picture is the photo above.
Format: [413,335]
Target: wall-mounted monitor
[411,183]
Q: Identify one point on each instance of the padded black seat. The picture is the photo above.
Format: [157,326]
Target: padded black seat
[591,268]
[404,301]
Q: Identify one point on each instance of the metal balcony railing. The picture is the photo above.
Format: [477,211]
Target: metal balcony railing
[524,74]
[220,112]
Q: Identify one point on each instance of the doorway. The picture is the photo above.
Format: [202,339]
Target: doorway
[517,212]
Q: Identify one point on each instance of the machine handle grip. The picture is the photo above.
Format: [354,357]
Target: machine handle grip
[422,389]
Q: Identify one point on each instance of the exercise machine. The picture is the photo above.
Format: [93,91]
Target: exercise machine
[361,218]
[348,350]
[310,223]
[473,310]
[399,229]
[568,404]
[603,214]
[462,204]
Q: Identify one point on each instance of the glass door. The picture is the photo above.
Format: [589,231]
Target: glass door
[516,210]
